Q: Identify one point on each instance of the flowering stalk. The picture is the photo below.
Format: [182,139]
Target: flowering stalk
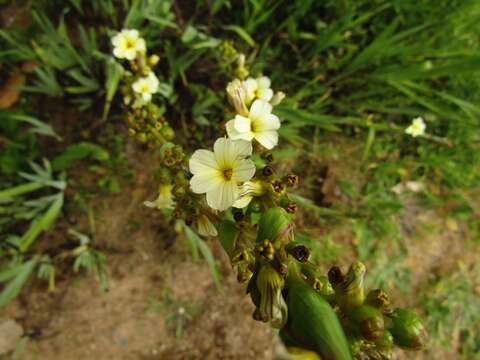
[247,206]
[140,88]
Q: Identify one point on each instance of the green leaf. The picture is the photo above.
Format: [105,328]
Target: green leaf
[192,241]
[196,243]
[12,289]
[79,151]
[242,33]
[227,234]
[114,74]
[41,224]
[322,121]
[212,265]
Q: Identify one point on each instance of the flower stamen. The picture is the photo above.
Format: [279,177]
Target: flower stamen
[227,174]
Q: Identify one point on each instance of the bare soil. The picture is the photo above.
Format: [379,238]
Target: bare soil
[132,320]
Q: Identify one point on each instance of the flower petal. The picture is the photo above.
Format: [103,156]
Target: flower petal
[269,138]
[235,135]
[223,196]
[265,94]
[260,109]
[242,202]
[206,181]
[202,161]
[263,82]
[270,122]
[242,124]
[243,170]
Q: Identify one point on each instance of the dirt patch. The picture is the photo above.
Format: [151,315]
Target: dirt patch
[79,321]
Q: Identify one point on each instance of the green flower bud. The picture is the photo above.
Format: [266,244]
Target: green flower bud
[167,132]
[368,322]
[312,323]
[384,345]
[272,306]
[408,330]
[349,292]
[274,225]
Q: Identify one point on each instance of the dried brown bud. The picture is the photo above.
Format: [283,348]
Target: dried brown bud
[291,180]
[267,171]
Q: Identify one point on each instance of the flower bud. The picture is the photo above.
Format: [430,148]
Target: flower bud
[312,323]
[299,251]
[236,93]
[167,132]
[153,60]
[291,180]
[379,299]
[268,157]
[272,306]
[267,171]
[384,345]
[274,225]
[368,320]
[407,329]
[278,187]
[350,292]
[205,226]
[277,98]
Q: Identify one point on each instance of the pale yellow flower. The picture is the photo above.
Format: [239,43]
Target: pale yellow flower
[164,199]
[260,124]
[146,86]
[258,88]
[219,173]
[127,44]
[417,127]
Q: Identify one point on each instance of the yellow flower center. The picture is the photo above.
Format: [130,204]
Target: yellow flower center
[129,44]
[227,174]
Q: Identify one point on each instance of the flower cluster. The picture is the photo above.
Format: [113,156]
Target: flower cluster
[246,204]
[225,175]
[140,84]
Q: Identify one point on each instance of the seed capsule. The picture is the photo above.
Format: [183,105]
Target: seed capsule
[272,306]
[313,324]
[379,299]
[349,291]
[299,251]
[368,320]
[408,330]
[273,225]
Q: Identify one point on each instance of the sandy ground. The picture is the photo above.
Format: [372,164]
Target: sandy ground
[153,279]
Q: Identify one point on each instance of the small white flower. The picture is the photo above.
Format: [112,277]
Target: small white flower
[260,124]
[219,173]
[417,127]
[146,86]
[247,191]
[164,199]
[258,88]
[205,226]
[127,44]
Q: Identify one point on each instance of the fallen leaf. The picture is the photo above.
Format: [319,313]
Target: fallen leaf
[10,92]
